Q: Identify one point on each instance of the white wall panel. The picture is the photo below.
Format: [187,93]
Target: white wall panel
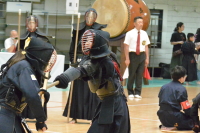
[177,11]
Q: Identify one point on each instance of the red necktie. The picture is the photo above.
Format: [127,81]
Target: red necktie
[138,44]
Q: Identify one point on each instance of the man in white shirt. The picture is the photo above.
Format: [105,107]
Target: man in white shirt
[137,56]
[10,43]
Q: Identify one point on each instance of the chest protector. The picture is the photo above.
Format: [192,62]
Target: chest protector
[104,91]
[97,84]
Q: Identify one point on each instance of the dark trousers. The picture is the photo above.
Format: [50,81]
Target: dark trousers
[176,60]
[136,69]
[10,122]
[172,118]
[117,112]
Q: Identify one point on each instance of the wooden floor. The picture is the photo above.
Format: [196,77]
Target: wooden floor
[142,112]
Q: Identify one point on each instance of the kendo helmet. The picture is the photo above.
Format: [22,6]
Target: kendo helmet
[90,16]
[95,43]
[31,23]
[41,55]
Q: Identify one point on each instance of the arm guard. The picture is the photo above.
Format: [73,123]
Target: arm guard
[69,75]
[90,67]
[72,74]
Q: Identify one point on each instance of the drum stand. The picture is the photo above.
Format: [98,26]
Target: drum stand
[114,47]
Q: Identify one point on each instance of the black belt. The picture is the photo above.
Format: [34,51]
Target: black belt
[135,52]
[142,52]
[168,108]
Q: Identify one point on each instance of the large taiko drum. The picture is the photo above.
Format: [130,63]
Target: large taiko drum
[119,15]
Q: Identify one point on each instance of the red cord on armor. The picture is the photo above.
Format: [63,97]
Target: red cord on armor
[117,70]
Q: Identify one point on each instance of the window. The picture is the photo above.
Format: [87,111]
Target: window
[155,28]
[2,8]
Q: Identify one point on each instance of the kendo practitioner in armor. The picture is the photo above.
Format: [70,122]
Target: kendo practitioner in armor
[102,73]
[32,31]
[19,86]
[173,99]
[83,101]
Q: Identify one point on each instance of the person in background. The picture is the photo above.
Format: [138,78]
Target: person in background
[173,98]
[10,43]
[32,31]
[197,36]
[137,57]
[177,39]
[189,61]
[197,44]
[83,102]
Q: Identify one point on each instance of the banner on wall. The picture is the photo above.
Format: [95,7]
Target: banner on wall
[15,6]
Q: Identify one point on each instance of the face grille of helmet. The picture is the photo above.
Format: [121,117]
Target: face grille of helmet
[87,41]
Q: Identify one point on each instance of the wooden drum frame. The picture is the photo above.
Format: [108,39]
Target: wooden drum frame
[119,15]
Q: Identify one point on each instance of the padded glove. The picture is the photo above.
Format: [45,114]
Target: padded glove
[46,95]
[63,81]
[40,125]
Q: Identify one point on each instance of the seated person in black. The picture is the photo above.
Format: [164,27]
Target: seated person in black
[173,100]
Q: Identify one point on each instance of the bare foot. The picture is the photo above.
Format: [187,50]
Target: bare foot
[163,128]
[198,82]
[73,121]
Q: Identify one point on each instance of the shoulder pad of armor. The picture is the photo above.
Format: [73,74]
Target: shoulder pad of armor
[81,26]
[90,66]
[98,26]
[24,36]
[40,33]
